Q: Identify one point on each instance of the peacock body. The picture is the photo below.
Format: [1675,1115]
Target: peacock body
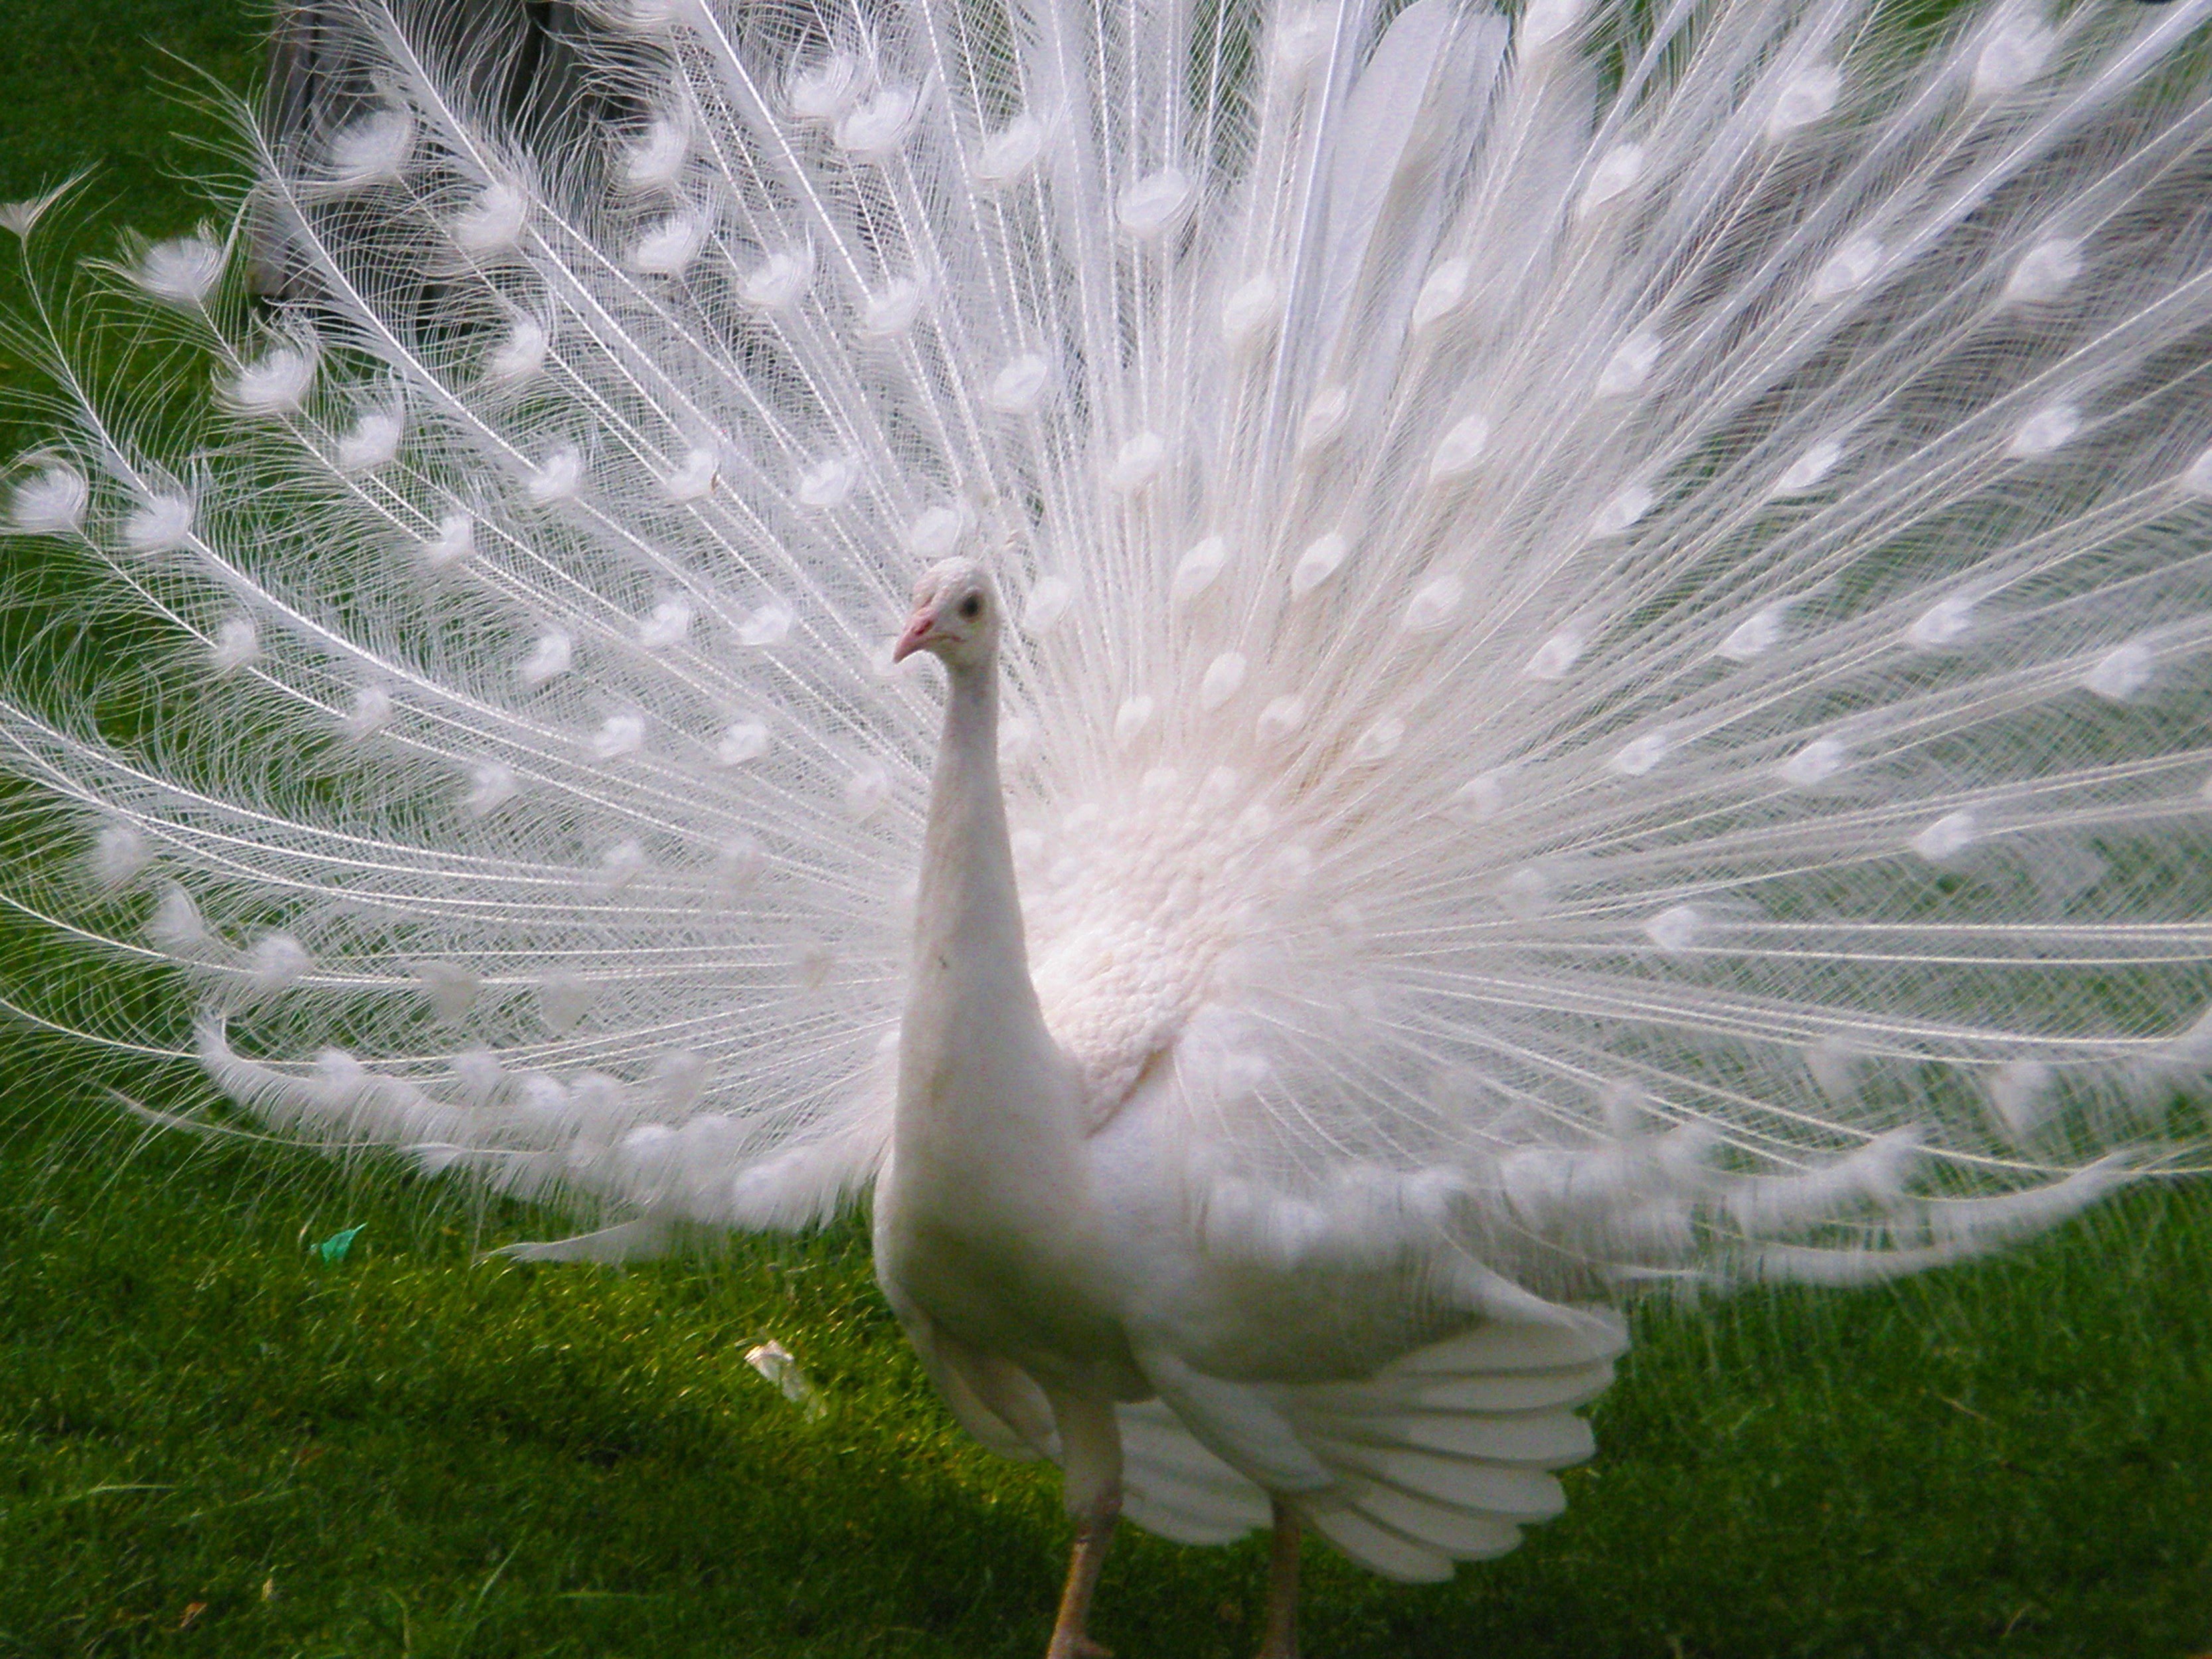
[1589,674]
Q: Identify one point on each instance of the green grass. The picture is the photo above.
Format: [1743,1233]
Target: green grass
[212,1441]
[116,90]
[419,1451]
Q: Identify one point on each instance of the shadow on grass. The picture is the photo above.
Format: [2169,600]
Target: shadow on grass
[209,1439]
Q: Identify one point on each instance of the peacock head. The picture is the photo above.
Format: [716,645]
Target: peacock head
[956,615]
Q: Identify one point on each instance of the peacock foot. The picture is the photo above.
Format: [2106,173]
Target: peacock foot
[1074,1644]
[1093,1533]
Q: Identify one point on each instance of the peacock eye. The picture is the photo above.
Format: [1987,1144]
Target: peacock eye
[972,606]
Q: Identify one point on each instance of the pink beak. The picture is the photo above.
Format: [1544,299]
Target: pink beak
[918,627]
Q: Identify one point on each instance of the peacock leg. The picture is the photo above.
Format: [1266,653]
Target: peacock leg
[1094,1531]
[1091,1461]
[1280,1640]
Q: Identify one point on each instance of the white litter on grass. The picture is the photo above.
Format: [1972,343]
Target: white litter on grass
[774,1361]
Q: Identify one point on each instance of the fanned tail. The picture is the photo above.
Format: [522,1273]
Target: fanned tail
[1614,609]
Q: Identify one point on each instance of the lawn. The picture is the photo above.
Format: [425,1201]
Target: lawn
[213,1440]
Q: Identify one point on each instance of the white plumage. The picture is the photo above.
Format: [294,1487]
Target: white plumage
[1601,623]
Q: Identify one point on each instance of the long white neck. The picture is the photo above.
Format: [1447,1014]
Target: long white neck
[976,1067]
[969,906]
